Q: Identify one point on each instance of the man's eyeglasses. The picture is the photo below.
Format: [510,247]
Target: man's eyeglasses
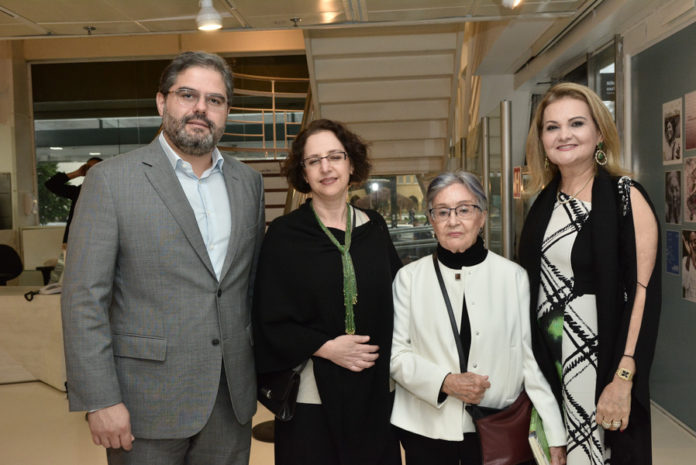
[462,212]
[188,98]
[335,157]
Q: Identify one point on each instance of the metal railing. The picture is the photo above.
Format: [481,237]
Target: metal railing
[265,125]
[294,198]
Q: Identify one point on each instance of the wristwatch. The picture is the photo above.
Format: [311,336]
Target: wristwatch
[625,374]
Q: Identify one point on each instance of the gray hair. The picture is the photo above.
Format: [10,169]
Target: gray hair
[464,178]
[202,59]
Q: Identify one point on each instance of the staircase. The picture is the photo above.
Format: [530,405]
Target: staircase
[275,187]
[262,126]
[395,87]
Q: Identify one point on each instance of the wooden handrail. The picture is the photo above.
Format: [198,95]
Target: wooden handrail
[264,93]
[269,78]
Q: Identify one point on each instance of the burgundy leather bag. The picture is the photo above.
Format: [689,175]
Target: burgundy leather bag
[504,434]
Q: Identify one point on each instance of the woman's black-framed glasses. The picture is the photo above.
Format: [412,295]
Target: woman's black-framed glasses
[462,212]
[334,157]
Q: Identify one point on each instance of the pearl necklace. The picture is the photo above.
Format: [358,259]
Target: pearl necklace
[573,196]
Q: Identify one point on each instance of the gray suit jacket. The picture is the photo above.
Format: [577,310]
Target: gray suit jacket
[145,320]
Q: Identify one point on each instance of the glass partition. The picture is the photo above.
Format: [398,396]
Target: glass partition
[602,75]
[400,199]
[493,162]
[490,160]
[102,109]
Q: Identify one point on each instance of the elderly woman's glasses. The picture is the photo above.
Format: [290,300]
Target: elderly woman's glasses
[462,212]
[188,98]
[334,157]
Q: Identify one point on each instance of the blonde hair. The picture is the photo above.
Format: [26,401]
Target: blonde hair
[603,121]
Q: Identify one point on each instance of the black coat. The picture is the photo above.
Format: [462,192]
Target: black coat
[298,306]
[614,267]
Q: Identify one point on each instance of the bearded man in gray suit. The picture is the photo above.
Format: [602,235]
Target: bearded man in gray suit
[157,285]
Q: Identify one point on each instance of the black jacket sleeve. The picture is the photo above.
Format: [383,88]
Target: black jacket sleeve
[58,184]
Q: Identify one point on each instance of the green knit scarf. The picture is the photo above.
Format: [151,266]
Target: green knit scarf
[350,286]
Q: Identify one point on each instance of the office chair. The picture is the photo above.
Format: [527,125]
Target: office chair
[10,264]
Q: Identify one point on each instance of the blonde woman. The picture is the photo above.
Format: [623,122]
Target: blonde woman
[590,246]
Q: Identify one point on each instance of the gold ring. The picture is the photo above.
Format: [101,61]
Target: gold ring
[616,423]
[606,425]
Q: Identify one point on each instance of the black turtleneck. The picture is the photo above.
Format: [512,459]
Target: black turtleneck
[456,260]
[470,257]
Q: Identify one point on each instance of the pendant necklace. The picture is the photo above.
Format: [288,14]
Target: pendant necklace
[573,196]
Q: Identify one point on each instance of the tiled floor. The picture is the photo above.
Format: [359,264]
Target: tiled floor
[37,429]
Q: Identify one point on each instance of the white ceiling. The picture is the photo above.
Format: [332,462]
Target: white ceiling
[61,18]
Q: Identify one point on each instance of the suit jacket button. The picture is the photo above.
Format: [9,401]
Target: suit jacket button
[219,293]
[215,341]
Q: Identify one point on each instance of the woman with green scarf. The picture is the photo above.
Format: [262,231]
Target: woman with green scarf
[323,296]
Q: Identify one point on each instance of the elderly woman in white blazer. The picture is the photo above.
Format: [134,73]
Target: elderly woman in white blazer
[431,392]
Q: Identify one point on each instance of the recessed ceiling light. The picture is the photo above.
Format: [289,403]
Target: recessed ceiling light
[56,148]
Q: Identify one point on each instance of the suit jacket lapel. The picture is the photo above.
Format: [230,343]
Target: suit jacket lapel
[159,172]
[234,195]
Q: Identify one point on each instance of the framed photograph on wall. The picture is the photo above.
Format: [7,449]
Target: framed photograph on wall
[690,120]
[689,189]
[672,252]
[671,132]
[688,267]
[673,197]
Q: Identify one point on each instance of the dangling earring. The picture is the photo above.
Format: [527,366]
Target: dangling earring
[546,162]
[599,155]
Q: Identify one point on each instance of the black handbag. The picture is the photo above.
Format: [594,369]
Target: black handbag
[277,391]
[503,432]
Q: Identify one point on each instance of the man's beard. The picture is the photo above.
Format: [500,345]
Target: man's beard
[196,143]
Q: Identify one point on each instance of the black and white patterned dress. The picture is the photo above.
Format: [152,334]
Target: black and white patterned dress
[567,314]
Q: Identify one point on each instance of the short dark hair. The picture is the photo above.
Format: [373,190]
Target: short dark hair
[94,159]
[187,60]
[354,145]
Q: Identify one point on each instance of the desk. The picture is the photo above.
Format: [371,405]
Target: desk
[31,332]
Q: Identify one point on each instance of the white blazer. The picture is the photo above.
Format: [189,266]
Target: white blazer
[424,350]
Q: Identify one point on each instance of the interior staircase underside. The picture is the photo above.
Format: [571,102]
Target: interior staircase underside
[394,87]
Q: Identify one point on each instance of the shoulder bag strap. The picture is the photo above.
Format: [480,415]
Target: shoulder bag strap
[453,321]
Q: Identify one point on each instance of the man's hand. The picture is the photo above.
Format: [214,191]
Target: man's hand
[467,387]
[111,427]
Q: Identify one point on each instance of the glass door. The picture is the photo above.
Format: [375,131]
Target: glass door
[494,152]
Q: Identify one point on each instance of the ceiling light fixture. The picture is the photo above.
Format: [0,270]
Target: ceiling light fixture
[208,18]
[511,3]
